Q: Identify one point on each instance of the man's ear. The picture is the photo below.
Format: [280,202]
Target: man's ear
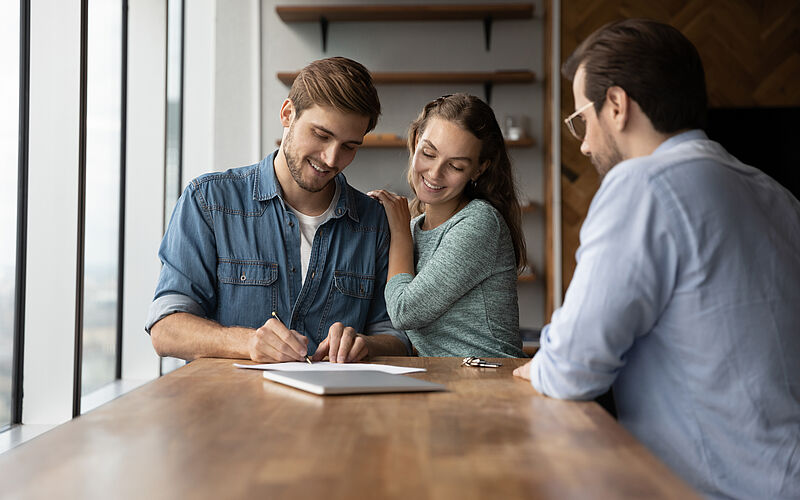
[287,113]
[619,104]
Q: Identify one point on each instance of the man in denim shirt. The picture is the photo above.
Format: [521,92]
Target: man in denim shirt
[287,235]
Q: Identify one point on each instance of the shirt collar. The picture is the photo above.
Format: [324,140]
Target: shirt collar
[267,187]
[689,135]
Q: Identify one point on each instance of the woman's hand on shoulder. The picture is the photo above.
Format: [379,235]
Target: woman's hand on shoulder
[396,207]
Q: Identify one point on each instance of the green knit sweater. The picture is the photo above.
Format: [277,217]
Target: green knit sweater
[463,299]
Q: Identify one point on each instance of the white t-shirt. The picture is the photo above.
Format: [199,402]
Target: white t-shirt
[308,225]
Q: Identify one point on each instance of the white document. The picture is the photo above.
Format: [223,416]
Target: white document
[325,366]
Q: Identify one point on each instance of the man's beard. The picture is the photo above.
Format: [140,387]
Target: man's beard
[295,164]
[605,160]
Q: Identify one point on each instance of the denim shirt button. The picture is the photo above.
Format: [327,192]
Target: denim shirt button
[313,273]
[292,268]
[338,211]
[291,223]
[242,277]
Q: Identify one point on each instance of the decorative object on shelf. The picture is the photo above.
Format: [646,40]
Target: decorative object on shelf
[530,206]
[527,275]
[514,130]
[324,14]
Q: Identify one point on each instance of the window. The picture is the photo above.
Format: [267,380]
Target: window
[9,140]
[102,216]
[173,171]
[172,185]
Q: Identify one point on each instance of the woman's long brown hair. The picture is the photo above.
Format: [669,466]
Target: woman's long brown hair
[496,184]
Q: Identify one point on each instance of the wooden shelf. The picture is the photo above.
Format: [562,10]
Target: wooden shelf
[456,12]
[324,14]
[525,142]
[390,141]
[483,77]
[531,207]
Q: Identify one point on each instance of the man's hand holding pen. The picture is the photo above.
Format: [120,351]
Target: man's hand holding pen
[275,343]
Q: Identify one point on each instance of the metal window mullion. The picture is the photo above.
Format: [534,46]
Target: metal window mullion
[22,210]
[79,271]
[122,189]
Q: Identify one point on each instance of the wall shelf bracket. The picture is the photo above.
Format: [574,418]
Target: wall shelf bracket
[487,91]
[323,26]
[487,31]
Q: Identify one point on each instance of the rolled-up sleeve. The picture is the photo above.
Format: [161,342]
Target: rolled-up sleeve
[167,304]
[625,274]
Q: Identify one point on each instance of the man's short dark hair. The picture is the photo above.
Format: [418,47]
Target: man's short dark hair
[340,83]
[654,63]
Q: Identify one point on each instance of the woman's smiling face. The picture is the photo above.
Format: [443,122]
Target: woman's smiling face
[445,160]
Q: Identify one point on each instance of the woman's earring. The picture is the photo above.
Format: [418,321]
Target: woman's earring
[474,183]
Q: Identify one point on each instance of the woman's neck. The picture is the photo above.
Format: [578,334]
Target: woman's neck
[436,215]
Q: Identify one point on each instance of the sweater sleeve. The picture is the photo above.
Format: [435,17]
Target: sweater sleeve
[465,256]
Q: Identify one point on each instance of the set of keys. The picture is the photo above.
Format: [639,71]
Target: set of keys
[478,362]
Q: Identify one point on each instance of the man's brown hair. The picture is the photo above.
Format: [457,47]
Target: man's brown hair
[654,63]
[337,82]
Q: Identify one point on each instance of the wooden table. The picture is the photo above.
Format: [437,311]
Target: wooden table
[209,430]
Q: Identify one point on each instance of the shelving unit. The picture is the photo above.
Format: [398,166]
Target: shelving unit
[487,12]
[324,14]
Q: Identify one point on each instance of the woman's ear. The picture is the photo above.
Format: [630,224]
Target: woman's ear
[481,169]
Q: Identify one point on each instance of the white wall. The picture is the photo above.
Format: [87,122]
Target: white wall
[237,84]
[422,46]
[221,106]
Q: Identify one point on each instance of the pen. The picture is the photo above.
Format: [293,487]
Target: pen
[275,315]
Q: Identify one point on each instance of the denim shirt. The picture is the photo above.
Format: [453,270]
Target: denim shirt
[231,254]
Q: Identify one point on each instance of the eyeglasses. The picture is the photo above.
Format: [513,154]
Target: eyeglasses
[576,123]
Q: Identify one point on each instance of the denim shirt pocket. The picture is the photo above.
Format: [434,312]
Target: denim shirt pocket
[349,300]
[247,291]
[354,285]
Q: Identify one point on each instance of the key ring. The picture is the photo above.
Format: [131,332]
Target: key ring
[479,363]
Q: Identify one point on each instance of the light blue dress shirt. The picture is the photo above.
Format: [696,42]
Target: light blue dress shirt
[686,298]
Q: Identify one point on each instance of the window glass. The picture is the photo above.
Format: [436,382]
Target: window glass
[172,174]
[102,231]
[172,185]
[9,137]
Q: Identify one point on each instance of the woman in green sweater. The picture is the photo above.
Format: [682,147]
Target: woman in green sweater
[452,283]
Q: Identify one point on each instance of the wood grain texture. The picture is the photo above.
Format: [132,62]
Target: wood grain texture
[751,54]
[209,430]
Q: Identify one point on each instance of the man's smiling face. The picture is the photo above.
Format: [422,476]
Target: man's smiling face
[320,143]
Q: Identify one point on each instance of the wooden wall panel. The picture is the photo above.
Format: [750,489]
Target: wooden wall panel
[750,51]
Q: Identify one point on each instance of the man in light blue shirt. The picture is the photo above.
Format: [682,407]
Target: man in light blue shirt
[686,295]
